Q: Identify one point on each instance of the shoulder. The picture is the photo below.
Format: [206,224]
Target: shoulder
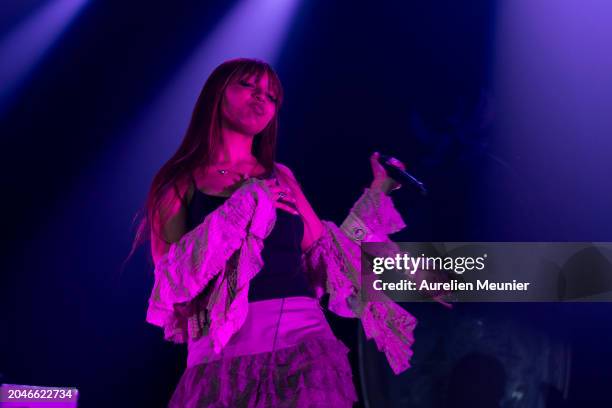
[173,202]
[169,219]
[179,193]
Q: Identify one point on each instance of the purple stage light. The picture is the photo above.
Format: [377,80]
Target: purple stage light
[254,28]
[25,46]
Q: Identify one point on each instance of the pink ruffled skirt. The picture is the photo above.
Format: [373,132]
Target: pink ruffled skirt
[285,355]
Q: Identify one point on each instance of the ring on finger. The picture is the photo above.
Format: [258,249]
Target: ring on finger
[282,194]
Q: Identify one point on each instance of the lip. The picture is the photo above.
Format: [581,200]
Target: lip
[258,109]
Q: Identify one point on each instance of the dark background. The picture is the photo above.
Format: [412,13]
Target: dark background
[412,79]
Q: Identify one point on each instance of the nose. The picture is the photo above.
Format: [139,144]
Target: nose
[258,94]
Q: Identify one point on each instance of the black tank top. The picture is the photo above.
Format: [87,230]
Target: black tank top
[281,275]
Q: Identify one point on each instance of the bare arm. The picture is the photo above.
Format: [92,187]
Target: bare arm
[174,213]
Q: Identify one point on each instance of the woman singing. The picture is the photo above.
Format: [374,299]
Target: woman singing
[242,260]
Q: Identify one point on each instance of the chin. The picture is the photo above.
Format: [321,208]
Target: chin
[254,129]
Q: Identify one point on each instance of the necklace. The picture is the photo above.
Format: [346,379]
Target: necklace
[225,172]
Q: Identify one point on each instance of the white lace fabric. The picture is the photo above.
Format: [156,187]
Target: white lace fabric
[201,283]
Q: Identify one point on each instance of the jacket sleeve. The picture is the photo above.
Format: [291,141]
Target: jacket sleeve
[372,218]
[191,263]
[336,259]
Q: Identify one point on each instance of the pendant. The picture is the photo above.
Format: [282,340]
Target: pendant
[222,171]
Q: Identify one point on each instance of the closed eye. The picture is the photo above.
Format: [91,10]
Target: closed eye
[247,84]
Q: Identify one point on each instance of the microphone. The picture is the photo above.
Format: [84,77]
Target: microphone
[399,175]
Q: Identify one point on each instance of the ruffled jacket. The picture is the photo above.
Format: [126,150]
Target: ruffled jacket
[202,282]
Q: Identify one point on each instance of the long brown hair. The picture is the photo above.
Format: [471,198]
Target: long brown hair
[203,139]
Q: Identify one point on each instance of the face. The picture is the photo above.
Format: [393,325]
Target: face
[249,104]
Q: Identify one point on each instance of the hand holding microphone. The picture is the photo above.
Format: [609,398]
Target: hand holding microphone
[389,174]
